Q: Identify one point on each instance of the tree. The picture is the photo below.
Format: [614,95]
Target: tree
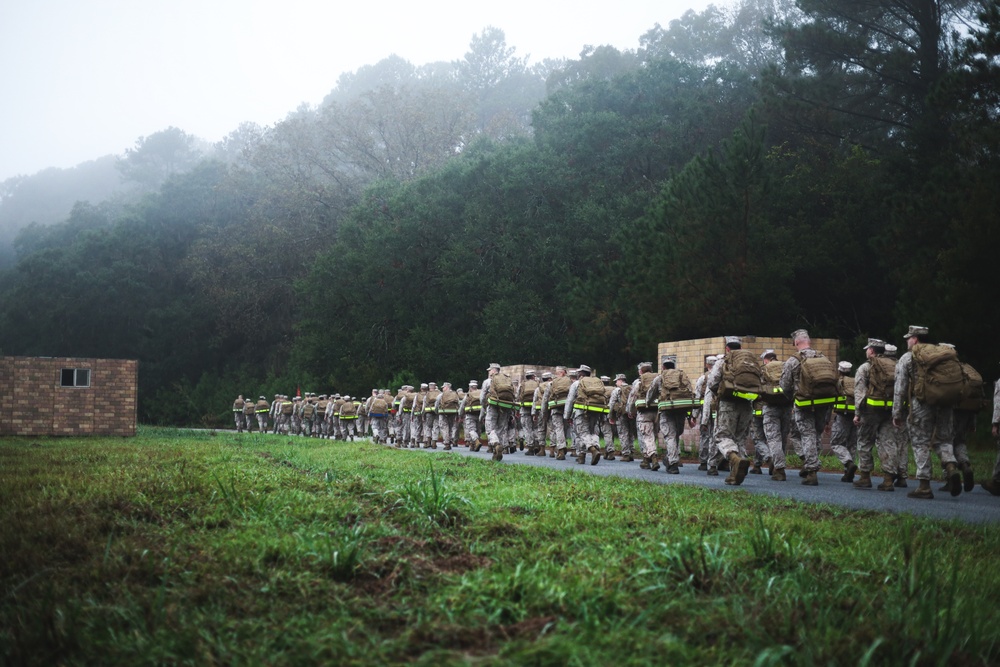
[157,157]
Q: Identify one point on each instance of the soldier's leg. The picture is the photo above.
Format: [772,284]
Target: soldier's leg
[840,432]
[806,421]
[646,430]
[671,426]
[761,452]
[625,437]
[775,428]
[557,430]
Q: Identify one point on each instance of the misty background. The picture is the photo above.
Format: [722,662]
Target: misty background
[751,169]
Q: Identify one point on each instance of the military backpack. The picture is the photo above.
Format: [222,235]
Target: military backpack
[817,381]
[741,376]
[590,392]
[770,388]
[939,379]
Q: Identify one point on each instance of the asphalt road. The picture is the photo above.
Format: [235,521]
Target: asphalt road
[977,506]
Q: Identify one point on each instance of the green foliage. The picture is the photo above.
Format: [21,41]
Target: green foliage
[180,546]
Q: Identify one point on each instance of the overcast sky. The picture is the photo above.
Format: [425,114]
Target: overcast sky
[80,79]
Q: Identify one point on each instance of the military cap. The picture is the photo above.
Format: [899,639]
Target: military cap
[423,385]
[768,353]
[446,384]
[644,364]
[473,383]
[620,376]
[874,342]
[531,372]
[584,368]
[560,368]
[800,333]
[734,339]
[547,375]
[432,384]
[573,372]
[916,330]
[711,359]
[890,350]
[262,398]
[605,378]
[845,366]
[492,366]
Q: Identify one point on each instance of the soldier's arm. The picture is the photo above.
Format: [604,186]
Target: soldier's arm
[570,398]
[901,388]
[787,381]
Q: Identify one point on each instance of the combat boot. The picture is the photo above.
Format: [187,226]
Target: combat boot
[900,482]
[954,479]
[595,455]
[627,458]
[778,475]
[923,491]
[849,471]
[497,454]
[646,463]
[673,469]
[552,452]
[992,486]
[969,481]
[770,466]
[447,447]
[712,471]
[864,481]
[812,480]
[654,463]
[703,466]
[738,467]
[529,451]
[609,456]
[886,484]
[756,470]
[562,455]
[581,456]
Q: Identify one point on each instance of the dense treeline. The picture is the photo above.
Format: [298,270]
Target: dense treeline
[826,164]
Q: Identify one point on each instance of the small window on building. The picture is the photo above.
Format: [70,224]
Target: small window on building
[76,377]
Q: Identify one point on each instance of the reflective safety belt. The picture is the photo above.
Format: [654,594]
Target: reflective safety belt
[746,395]
[590,408]
[502,404]
[878,403]
[680,403]
[809,402]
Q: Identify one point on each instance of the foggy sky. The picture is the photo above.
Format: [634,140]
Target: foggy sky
[84,78]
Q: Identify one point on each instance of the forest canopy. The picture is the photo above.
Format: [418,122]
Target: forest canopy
[828,164]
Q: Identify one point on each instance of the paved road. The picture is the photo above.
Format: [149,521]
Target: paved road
[977,506]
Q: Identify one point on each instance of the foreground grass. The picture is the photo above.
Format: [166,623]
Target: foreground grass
[192,548]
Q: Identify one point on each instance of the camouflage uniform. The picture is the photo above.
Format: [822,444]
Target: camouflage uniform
[732,424]
[308,412]
[703,417]
[526,398]
[498,419]
[585,422]
[378,415]
[469,410]
[811,420]
[348,418]
[671,424]
[539,413]
[996,430]
[405,435]
[874,427]
[446,407]
[554,400]
[843,432]
[238,415]
[604,424]
[929,427]
[417,418]
[618,404]
[430,426]
[285,411]
[645,417]
[262,409]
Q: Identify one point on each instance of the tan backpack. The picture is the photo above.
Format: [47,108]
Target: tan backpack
[590,392]
[939,380]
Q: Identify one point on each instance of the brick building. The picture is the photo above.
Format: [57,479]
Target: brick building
[690,354]
[68,396]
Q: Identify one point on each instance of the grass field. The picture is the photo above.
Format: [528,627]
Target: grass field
[181,547]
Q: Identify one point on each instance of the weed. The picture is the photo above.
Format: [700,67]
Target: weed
[430,500]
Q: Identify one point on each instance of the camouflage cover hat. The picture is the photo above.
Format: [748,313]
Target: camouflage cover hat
[644,364]
[560,368]
[605,378]
[734,339]
[492,366]
[800,333]
[845,366]
[916,330]
[584,368]
[547,375]
[874,342]
[473,383]
[530,373]
[890,350]
[446,384]
[620,376]
[423,385]
[711,359]
[768,353]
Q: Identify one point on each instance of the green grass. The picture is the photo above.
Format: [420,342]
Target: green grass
[182,547]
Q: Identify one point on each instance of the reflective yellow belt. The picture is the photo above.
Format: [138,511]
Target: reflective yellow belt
[802,403]
[589,408]
[501,404]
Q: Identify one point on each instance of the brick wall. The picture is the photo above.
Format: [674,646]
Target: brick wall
[33,402]
[691,353]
